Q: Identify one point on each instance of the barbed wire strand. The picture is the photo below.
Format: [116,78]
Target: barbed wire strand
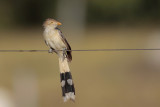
[84,50]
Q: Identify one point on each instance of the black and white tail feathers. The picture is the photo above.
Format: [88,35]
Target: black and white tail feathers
[68,91]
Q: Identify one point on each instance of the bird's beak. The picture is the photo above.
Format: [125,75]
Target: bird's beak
[59,23]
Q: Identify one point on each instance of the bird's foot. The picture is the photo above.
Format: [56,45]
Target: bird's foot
[50,50]
[64,52]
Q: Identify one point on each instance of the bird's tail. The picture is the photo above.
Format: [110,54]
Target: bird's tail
[68,90]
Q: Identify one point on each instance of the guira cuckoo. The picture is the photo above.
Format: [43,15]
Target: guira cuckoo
[57,43]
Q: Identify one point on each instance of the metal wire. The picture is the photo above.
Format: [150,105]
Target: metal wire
[84,50]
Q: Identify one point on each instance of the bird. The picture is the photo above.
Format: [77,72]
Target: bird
[57,43]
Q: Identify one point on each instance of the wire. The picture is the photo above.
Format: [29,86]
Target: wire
[156,49]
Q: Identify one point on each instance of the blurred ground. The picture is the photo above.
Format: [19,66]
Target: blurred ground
[106,79]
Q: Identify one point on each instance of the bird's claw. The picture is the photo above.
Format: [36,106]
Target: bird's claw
[50,50]
[64,52]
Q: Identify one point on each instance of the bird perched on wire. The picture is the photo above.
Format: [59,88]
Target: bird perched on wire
[58,44]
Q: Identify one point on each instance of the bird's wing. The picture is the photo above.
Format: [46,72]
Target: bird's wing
[69,53]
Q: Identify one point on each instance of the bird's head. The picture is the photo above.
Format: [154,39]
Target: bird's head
[51,23]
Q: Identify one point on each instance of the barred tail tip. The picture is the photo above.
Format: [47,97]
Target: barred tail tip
[68,90]
[69,96]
